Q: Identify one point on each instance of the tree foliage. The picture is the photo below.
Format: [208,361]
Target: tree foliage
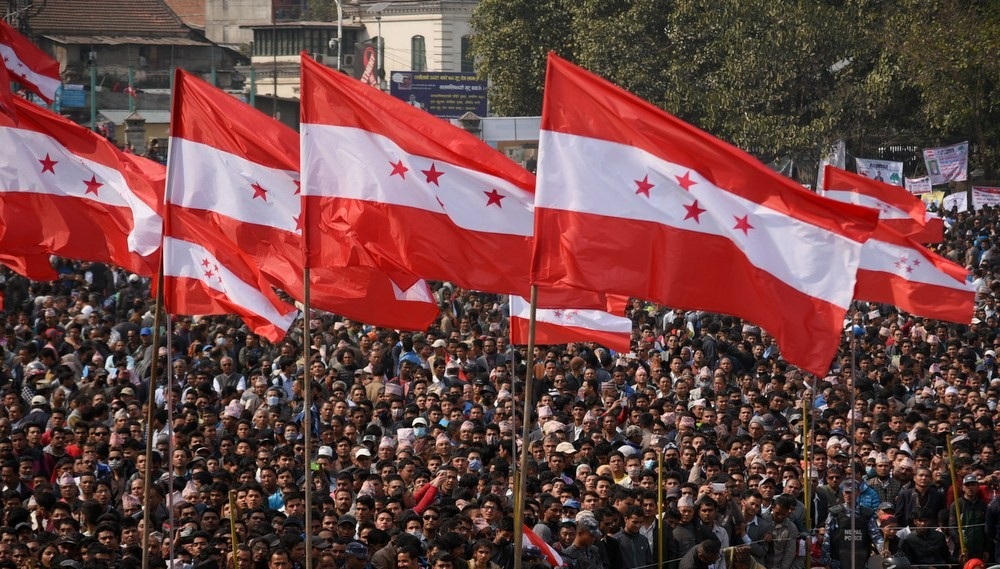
[778,78]
[510,45]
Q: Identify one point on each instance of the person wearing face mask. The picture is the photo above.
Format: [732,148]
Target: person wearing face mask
[119,473]
[419,425]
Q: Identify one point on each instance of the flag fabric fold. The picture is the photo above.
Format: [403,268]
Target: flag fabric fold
[68,192]
[633,201]
[28,64]
[197,281]
[898,208]
[235,170]
[564,325]
[897,270]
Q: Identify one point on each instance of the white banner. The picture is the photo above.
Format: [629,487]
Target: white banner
[947,163]
[836,156]
[919,186]
[982,196]
[881,170]
[959,200]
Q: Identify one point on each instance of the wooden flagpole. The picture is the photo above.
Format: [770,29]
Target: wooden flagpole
[521,476]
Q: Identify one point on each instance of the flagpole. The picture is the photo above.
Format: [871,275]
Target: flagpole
[307,382]
[150,408]
[805,479]
[307,415]
[659,506]
[521,479]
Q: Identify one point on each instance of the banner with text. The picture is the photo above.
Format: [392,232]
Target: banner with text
[919,186]
[947,163]
[982,196]
[444,95]
[959,200]
[881,170]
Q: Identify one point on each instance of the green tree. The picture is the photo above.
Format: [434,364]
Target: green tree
[321,11]
[950,50]
[510,43]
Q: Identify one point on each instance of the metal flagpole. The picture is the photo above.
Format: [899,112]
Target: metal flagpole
[521,476]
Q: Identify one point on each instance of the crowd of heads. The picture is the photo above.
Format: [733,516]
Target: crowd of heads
[416,437]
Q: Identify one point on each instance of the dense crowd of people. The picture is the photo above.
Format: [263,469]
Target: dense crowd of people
[417,437]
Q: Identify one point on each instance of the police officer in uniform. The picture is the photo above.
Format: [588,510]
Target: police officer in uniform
[839,538]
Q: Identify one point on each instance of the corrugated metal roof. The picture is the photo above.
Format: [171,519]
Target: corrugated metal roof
[124,40]
[118,116]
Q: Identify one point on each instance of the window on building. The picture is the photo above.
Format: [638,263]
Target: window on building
[418,54]
[467,64]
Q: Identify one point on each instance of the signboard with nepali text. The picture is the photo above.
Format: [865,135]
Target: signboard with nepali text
[947,163]
[985,196]
[444,95]
[881,170]
[919,186]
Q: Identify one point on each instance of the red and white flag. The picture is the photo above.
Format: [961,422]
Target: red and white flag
[197,281]
[549,552]
[390,186]
[564,325]
[237,173]
[897,208]
[634,201]
[68,192]
[897,270]
[28,64]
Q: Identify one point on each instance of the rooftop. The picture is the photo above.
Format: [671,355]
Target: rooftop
[108,18]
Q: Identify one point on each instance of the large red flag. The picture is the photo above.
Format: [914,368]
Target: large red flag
[250,163]
[897,270]
[68,192]
[390,186]
[564,325]
[28,64]
[898,208]
[634,201]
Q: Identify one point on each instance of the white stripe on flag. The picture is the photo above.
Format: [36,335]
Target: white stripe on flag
[779,244]
[364,160]
[18,68]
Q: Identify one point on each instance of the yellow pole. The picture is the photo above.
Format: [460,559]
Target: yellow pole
[954,490]
[232,526]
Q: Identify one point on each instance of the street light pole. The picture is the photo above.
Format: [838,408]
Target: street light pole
[380,52]
[340,33]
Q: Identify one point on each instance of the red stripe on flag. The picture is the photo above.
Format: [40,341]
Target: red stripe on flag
[802,322]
